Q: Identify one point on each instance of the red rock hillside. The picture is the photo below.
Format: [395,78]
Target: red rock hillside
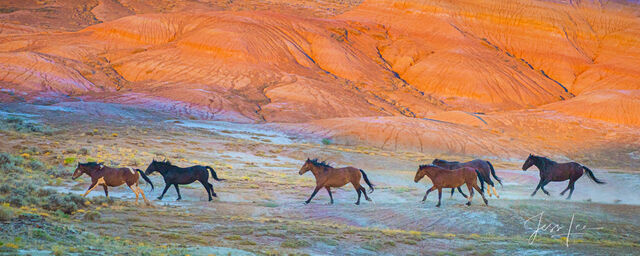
[490,78]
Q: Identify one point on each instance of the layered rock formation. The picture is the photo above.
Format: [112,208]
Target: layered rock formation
[394,74]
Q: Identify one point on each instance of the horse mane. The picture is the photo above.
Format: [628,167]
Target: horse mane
[165,162]
[544,161]
[316,162]
[89,164]
[428,165]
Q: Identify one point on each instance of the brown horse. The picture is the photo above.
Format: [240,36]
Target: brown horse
[484,167]
[445,178]
[112,177]
[328,177]
[553,171]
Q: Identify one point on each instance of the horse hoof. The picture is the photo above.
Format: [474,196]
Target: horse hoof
[178,199]
[306,203]
[214,195]
[437,205]
[159,198]
[358,203]
[369,199]
[468,203]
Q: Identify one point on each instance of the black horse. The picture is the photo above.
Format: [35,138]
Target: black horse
[553,171]
[174,175]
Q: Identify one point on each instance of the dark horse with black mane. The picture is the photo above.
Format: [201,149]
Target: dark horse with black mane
[328,177]
[553,171]
[174,175]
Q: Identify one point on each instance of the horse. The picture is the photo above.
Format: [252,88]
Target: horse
[112,177]
[445,178]
[328,177]
[484,167]
[174,175]
[553,171]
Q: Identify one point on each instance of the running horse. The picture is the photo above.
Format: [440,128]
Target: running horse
[106,176]
[484,167]
[328,177]
[553,171]
[445,178]
[174,175]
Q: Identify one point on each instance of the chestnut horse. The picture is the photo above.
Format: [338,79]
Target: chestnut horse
[484,167]
[445,178]
[553,171]
[328,177]
[112,177]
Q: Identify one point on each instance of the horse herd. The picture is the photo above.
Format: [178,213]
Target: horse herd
[443,174]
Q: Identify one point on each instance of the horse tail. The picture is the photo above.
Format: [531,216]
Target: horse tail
[493,173]
[144,176]
[366,179]
[481,180]
[213,173]
[590,174]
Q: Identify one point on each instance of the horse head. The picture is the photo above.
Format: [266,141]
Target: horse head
[422,171]
[154,166]
[86,168]
[306,166]
[529,162]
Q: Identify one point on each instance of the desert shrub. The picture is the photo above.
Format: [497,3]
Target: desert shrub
[41,234]
[83,151]
[66,203]
[10,163]
[16,200]
[295,243]
[91,216]
[6,213]
[36,165]
[69,160]
[22,125]
[326,141]
[59,172]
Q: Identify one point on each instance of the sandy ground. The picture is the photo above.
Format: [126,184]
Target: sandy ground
[259,208]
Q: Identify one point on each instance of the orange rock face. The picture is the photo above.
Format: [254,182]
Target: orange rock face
[395,74]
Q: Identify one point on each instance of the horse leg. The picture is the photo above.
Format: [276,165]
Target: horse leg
[315,191]
[427,193]
[364,191]
[177,191]
[571,191]
[544,190]
[143,196]
[439,197]
[359,194]
[538,187]
[330,195]
[470,194]
[205,184]
[452,191]
[106,190]
[93,186]
[166,187]
[462,193]
[568,187]
[213,193]
[489,189]
[495,192]
[481,194]
[132,187]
